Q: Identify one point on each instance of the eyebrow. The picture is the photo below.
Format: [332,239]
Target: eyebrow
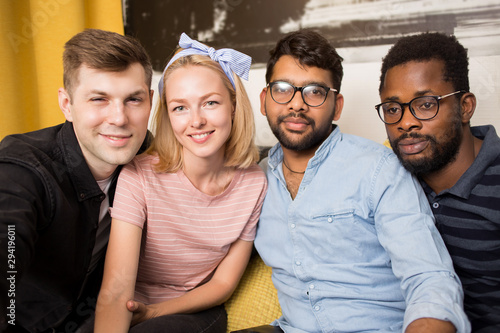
[180,100]
[139,92]
[103,93]
[417,94]
[306,83]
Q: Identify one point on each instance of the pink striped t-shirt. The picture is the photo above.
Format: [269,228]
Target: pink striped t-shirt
[186,233]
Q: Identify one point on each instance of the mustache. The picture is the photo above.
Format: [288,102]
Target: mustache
[295,115]
[412,135]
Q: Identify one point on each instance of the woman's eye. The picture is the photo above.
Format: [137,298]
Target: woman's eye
[211,103]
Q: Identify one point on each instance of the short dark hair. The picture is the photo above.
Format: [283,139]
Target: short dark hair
[429,46]
[103,50]
[310,49]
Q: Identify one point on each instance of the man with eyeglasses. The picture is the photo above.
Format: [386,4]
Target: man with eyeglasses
[347,231]
[427,107]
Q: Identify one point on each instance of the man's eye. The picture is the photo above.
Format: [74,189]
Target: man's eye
[316,91]
[281,88]
[392,109]
[97,99]
[427,106]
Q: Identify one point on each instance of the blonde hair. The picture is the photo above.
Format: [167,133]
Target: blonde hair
[241,151]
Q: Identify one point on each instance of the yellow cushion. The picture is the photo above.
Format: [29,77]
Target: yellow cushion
[255,300]
[387,143]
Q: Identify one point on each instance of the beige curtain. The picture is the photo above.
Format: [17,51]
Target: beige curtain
[33,33]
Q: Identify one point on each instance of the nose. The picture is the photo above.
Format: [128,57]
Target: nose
[198,119]
[118,115]
[297,103]
[408,122]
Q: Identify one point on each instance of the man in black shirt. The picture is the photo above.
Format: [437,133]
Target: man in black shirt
[56,185]
[426,107]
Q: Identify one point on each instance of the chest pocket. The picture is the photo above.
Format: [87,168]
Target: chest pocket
[343,237]
[345,215]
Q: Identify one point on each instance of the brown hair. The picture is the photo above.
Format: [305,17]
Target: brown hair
[240,152]
[103,50]
[310,49]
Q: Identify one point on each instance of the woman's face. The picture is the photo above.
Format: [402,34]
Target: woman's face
[200,110]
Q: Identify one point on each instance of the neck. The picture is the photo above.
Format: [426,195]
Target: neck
[294,166]
[210,176]
[102,173]
[448,176]
[296,161]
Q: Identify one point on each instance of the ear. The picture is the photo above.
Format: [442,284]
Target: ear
[339,105]
[151,94]
[65,103]
[262,96]
[467,107]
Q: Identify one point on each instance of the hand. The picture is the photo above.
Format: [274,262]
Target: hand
[141,312]
[429,325]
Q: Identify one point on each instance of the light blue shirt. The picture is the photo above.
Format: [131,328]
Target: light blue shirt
[357,249]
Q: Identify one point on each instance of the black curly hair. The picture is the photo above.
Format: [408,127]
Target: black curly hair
[428,46]
[311,49]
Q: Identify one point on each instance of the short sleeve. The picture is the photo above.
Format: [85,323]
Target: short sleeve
[129,204]
[248,233]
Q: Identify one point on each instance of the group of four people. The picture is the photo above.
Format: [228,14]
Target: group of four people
[344,222]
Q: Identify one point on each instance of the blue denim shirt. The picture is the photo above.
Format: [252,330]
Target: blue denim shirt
[357,249]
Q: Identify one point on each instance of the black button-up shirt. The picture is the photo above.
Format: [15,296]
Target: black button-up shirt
[49,210]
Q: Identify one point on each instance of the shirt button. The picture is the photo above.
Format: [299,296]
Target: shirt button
[311,286]
[297,263]
[292,225]
[435,205]
[330,220]
[316,308]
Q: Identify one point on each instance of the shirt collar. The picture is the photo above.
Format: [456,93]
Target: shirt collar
[490,151]
[79,172]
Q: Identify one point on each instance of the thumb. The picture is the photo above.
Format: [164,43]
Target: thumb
[132,306]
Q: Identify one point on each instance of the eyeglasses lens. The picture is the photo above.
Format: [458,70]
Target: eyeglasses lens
[423,108]
[313,95]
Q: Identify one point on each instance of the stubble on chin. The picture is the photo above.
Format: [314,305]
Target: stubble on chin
[435,157]
[300,141]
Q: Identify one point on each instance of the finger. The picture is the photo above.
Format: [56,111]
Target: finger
[132,306]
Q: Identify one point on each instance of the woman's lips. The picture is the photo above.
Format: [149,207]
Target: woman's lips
[201,137]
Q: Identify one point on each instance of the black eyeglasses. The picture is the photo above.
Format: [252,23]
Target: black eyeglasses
[422,108]
[312,94]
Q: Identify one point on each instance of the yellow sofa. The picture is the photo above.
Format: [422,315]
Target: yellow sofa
[255,300]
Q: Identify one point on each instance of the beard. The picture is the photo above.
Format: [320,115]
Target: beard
[313,139]
[441,153]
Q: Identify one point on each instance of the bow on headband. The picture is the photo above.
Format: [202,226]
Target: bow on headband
[230,60]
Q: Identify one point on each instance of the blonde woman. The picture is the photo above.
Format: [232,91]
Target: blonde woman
[185,213]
